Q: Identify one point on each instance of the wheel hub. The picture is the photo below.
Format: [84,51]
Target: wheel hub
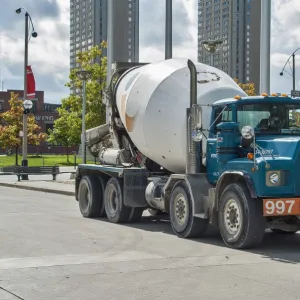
[233,217]
[112,200]
[180,209]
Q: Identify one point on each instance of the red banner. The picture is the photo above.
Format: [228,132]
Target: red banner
[30,83]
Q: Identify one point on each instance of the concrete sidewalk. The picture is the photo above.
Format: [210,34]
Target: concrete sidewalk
[66,187]
[63,184]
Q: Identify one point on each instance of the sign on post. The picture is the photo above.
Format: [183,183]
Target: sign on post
[295,93]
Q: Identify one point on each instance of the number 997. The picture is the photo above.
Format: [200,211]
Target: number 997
[279,207]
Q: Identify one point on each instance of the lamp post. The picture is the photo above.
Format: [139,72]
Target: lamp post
[212,47]
[293,69]
[27,38]
[168,33]
[83,75]
[265,46]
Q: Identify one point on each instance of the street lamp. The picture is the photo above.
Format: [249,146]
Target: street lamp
[168,33]
[212,47]
[27,106]
[293,70]
[27,38]
[83,75]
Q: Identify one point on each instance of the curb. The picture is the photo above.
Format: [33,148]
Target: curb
[30,188]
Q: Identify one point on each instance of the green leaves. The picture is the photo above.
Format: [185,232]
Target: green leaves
[67,129]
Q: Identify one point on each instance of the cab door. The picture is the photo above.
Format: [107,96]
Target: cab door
[219,114]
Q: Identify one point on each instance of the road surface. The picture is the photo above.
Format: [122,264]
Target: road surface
[48,251]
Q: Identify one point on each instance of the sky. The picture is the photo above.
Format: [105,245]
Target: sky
[49,52]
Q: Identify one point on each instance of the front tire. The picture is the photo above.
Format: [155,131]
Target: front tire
[115,210]
[240,217]
[90,197]
[183,222]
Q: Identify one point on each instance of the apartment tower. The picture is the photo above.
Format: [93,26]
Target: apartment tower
[88,27]
[237,24]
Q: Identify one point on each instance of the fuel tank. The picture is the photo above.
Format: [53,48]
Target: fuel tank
[152,102]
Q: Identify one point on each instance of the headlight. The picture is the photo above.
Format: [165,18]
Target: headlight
[275,178]
[247,132]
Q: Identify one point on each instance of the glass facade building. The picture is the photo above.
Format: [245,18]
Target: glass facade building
[237,24]
[88,27]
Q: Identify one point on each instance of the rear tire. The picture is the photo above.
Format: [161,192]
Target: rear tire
[115,210]
[90,197]
[240,217]
[183,222]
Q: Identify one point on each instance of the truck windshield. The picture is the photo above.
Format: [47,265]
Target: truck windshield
[275,118]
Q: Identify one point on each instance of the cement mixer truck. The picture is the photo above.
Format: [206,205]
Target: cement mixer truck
[184,140]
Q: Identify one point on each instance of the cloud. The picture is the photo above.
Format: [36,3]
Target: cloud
[49,52]
[285,39]
[152,29]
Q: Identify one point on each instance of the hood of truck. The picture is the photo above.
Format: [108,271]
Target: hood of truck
[279,147]
[282,154]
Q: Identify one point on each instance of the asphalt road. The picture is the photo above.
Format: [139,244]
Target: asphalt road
[48,251]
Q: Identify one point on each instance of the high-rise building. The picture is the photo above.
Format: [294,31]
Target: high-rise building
[88,27]
[237,24]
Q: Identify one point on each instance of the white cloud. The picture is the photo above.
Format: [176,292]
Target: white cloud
[48,53]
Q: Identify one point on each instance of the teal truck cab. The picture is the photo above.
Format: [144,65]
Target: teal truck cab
[253,159]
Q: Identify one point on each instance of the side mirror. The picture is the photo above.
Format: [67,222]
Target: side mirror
[196,113]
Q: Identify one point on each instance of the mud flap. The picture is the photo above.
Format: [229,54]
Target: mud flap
[135,183]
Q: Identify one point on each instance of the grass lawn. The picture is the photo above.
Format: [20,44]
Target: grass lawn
[46,160]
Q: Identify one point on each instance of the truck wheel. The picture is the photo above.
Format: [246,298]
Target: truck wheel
[241,220]
[90,197]
[135,214]
[183,223]
[115,210]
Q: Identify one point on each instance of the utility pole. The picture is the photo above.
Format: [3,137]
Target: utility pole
[25,129]
[169,31]
[294,72]
[26,103]
[265,46]
[110,51]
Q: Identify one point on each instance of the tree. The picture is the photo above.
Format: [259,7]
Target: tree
[67,128]
[12,124]
[248,88]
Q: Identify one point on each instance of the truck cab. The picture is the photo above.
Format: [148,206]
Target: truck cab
[259,138]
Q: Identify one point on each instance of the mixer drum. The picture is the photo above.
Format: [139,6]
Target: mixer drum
[152,102]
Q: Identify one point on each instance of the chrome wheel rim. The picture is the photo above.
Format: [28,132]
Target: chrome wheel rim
[181,208]
[85,198]
[233,217]
[112,199]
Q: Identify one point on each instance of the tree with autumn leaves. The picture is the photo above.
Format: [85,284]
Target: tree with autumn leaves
[248,88]
[67,128]
[11,123]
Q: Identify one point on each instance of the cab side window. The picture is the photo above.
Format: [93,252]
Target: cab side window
[222,115]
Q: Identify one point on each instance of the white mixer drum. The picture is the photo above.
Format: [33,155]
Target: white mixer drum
[152,102]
